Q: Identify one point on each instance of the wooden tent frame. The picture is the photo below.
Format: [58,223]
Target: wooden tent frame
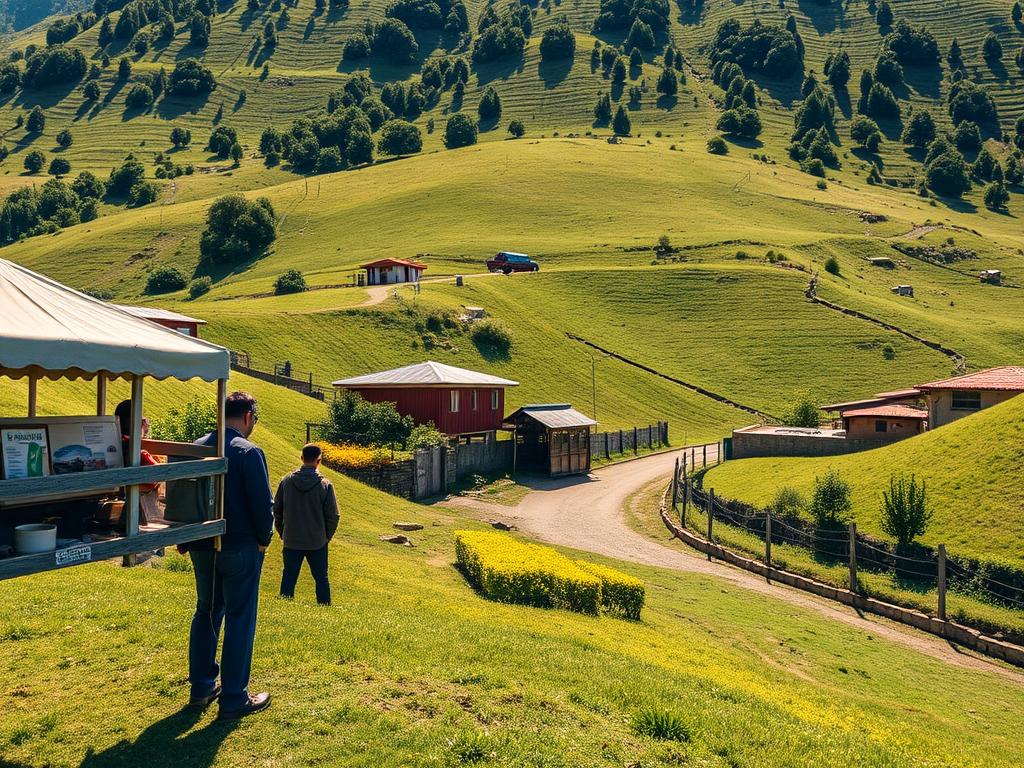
[202,461]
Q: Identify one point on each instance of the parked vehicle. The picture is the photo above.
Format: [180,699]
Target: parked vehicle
[508,262]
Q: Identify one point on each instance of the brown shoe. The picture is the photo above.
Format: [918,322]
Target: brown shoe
[257,703]
[201,702]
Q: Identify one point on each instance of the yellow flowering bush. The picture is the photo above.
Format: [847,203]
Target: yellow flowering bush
[350,456]
[619,591]
[512,571]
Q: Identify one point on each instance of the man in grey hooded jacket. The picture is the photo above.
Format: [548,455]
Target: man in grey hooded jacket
[306,517]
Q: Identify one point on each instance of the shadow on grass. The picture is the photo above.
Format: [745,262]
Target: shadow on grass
[554,72]
[165,742]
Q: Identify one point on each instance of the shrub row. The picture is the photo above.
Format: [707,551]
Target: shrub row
[348,456]
[511,571]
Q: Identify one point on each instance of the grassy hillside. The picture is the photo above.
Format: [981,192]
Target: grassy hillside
[411,667]
[971,468]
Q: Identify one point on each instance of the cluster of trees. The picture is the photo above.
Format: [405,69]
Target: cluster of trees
[504,35]
[237,230]
[67,29]
[460,131]
[767,48]
[452,16]
[837,69]
[558,41]
[647,20]
[969,101]
[390,39]
[912,46]
[490,105]
[814,127]
[53,65]
[331,141]
[39,210]
[189,78]
[740,117]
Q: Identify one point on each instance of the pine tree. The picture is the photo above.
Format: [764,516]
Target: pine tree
[621,124]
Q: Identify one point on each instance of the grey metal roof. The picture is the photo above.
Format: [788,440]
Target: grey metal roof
[426,374]
[554,415]
[155,313]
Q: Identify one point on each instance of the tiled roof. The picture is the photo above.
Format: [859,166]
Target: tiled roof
[888,411]
[393,263]
[1008,377]
[426,374]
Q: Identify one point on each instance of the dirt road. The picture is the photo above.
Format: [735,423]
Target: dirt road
[587,513]
[378,294]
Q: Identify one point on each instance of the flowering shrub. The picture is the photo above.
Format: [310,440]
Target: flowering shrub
[619,592]
[512,571]
[348,456]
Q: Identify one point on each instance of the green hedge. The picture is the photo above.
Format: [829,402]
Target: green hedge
[619,592]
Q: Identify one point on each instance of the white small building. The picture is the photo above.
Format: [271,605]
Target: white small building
[392,271]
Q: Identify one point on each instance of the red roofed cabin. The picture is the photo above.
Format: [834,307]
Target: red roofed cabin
[883,422]
[954,398]
[393,271]
[180,323]
[461,403]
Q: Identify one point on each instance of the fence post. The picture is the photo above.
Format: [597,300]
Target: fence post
[693,458]
[768,543]
[307,432]
[942,582]
[686,492]
[675,483]
[634,441]
[704,448]
[607,447]
[853,557]
[711,517]
[718,454]
[622,444]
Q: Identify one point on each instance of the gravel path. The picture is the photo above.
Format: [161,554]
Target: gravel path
[587,513]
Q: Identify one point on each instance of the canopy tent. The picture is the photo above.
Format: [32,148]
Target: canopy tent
[50,330]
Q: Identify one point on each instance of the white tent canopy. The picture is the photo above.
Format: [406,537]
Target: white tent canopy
[50,330]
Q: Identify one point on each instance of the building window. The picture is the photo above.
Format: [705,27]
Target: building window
[494,399]
[473,399]
[454,405]
[966,401]
[881,426]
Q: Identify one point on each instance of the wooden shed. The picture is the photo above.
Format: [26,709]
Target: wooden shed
[552,438]
[56,471]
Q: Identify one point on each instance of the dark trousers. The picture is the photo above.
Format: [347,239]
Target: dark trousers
[227,587]
[317,559]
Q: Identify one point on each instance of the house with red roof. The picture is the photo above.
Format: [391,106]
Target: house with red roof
[393,271]
[959,396]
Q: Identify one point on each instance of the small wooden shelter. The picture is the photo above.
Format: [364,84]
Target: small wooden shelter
[49,331]
[552,438]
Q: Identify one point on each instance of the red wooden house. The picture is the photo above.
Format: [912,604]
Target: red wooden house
[460,402]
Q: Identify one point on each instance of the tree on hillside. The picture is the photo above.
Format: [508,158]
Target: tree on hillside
[122,180]
[190,77]
[831,504]
[124,69]
[864,131]
[91,91]
[490,105]
[919,130]
[1017,12]
[221,140]
[603,109]
[352,419]
[34,161]
[668,83]
[996,196]
[516,128]
[991,48]
[837,69]
[883,16]
[641,35]
[65,139]
[460,131]
[866,81]
[882,103]
[237,229]
[36,120]
[181,137]
[803,414]
[947,174]
[199,30]
[398,137]
[904,510]
[620,123]
[558,41]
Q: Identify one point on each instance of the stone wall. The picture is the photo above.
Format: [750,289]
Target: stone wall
[746,445]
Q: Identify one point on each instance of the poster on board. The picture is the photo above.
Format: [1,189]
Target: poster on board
[84,444]
[24,452]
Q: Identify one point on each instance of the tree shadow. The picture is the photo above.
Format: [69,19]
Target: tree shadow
[308,31]
[925,81]
[616,90]
[492,353]
[246,19]
[867,156]
[488,125]
[172,107]
[668,103]
[743,141]
[47,97]
[891,127]
[998,69]
[690,13]
[826,18]
[958,204]
[843,101]
[190,52]
[217,272]
[554,72]
[166,742]
[500,69]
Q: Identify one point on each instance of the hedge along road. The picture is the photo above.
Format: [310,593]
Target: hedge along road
[588,513]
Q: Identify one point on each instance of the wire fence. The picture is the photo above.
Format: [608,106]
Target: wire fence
[916,568]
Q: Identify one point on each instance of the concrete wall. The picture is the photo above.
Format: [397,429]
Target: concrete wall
[940,405]
[746,445]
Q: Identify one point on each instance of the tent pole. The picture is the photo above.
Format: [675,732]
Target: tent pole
[101,394]
[131,505]
[222,431]
[33,393]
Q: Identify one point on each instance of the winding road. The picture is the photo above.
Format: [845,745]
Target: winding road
[588,513]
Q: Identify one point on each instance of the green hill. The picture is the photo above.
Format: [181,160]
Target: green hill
[971,468]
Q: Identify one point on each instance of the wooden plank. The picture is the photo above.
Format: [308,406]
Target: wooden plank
[104,550]
[171,448]
[131,503]
[105,479]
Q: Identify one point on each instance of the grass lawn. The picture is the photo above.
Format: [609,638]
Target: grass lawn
[971,468]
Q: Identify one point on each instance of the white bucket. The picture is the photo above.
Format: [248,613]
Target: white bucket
[33,538]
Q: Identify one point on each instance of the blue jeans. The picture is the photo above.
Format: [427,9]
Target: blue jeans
[227,587]
[317,559]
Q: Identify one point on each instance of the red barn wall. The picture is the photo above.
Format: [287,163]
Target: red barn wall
[433,404]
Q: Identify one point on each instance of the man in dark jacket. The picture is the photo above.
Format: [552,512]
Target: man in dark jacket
[228,581]
[306,516]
